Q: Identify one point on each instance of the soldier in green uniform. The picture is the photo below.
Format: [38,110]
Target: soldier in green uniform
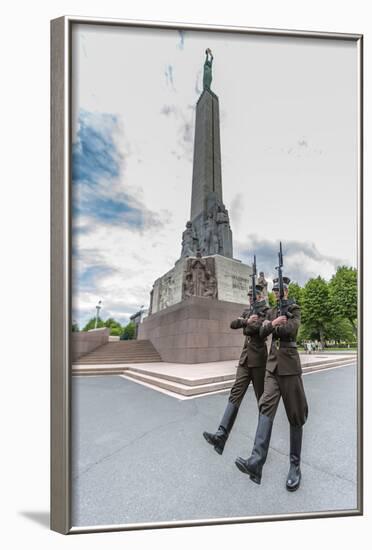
[251,367]
[283,379]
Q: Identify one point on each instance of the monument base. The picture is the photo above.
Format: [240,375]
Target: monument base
[196,330]
[189,277]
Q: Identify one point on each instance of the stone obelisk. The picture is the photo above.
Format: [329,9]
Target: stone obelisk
[206,176]
[209,217]
[192,305]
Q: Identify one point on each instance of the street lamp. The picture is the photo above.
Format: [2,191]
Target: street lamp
[98,307]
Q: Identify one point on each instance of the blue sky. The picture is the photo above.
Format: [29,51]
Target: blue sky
[96,165]
[288,141]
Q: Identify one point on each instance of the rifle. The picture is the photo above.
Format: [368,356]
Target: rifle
[254,275]
[254,308]
[283,304]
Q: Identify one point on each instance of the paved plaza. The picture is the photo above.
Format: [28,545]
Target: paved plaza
[139,455]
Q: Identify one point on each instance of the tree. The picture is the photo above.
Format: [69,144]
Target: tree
[295,292]
[116,331]
[340,330]
[129,331]
[343,293]
[271,299]
[92,324]
[316,311]
[75,327]
[115,327]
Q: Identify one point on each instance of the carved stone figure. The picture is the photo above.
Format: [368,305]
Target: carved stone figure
[199,278]
[262,281]
[189,241]
[188,285]
[223,227]
[198,267]
[211,245]
[210,287]
[222,216]
[166,293]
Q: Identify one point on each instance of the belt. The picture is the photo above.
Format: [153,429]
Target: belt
[279,344]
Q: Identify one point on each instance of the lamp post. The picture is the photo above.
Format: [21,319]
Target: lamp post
[98,307]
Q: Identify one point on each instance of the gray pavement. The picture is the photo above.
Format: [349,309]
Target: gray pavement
[139,455]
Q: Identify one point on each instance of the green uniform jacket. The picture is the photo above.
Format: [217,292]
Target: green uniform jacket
[254,352]
[285,359]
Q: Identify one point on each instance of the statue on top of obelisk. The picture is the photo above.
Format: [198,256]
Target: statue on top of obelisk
[207,77]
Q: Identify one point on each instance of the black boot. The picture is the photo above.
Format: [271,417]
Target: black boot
[294,474]
[219,438]
[254,464]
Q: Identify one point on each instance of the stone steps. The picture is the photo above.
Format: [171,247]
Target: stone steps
[329,361]
[181,385]
[328,364]
[182,380]
[178,388]
[98,370]
[191,387]
[127,351]
[109,360]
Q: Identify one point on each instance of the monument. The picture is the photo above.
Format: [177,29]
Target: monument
[192,305]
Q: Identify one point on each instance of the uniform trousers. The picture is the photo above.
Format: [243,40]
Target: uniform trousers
[291,389]
[244,376]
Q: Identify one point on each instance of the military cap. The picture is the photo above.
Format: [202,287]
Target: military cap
[286,281]
[259,288]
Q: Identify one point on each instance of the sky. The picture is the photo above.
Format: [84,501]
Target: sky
[288,124]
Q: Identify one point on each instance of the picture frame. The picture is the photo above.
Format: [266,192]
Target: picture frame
[62,263]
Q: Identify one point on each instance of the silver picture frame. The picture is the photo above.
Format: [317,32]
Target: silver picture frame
[61,145]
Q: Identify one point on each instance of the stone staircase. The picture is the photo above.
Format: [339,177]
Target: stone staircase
[329,363]
[189,387]
[121,352]
[187,381]
[182,385]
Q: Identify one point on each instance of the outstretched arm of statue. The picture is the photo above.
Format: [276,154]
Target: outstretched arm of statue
[208,52]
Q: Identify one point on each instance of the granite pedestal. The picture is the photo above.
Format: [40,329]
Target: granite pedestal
[196,330]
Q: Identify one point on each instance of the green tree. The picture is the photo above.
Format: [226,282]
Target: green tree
[271,299]
[115,327]
[306,333]
[92,324]
[316,312]
[295,293]
[75,327]
[116,331]
[340,330]
[129,331]
[343,293]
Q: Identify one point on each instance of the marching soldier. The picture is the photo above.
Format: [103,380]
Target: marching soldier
[283,379]
[251,367]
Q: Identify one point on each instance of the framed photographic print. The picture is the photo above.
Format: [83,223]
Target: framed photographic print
[206,274]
